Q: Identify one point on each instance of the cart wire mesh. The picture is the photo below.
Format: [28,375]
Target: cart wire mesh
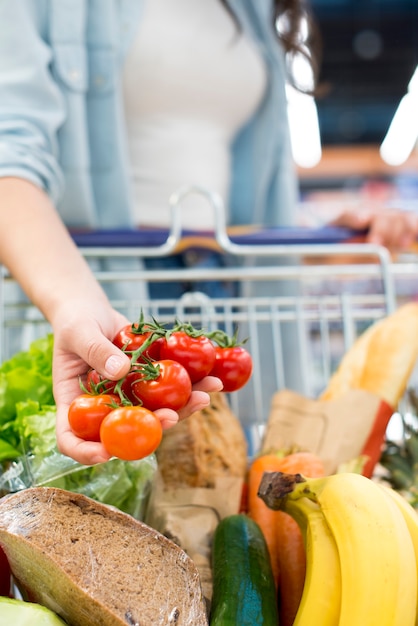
[297,320]
[299,305]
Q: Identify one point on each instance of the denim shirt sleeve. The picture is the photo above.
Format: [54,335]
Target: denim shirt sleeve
[264,187]
[31,106]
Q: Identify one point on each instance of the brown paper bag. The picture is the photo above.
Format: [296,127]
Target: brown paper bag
[189,515]
[337,430]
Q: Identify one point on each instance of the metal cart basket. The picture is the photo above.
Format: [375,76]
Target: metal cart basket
[298,307]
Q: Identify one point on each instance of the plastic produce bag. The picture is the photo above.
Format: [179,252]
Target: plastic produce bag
[122,484]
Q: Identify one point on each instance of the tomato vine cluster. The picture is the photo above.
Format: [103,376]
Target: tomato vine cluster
[165,363]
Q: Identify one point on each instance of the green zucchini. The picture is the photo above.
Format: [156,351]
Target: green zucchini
[244,592]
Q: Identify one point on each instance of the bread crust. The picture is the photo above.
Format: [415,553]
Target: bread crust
[206,446]
[94,565]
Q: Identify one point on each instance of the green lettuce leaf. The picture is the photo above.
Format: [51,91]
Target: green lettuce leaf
[35,425]
[7,451]
[26,376]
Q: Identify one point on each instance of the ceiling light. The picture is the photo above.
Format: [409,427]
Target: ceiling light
[402,134]
[304,128]
[303,116]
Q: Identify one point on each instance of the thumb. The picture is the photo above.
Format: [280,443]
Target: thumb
[116,365]
[101,354]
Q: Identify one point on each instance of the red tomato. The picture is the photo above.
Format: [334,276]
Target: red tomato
[131,432]
[126,386]
[171,388]
[87,412]
[130,338]
[95,383]
[233,365]
[196,354]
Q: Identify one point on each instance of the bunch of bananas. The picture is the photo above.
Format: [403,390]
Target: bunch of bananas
[361,542]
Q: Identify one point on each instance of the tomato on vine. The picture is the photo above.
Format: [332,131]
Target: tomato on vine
[143,338]
[96,383]
[131,433]
[233,365]
[163,384]
[87,412]
[192,349]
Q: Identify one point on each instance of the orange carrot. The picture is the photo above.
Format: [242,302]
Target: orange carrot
[281,532]
[291,554]
[257,509]
[303,462]
[291,558]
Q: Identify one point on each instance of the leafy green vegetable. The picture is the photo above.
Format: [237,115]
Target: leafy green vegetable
[7,451]
[36,427]
[26,376]
[125,485]
[27,437]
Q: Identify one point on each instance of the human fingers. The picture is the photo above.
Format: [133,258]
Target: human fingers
[393,228]
[94,349]
[84,340]
[80,343]
[397,230]
[200,396]
[209,384]
[354,219]
[199,399]
[84,452]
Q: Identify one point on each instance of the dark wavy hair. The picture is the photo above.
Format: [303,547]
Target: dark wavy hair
[298,33]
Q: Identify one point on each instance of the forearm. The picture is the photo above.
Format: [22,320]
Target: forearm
[37,250]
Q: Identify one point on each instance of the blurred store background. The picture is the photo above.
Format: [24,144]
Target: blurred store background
[358,144]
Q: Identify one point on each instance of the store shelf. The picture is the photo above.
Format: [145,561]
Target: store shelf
[341,162]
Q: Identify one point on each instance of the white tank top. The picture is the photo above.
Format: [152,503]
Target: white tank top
[190,81]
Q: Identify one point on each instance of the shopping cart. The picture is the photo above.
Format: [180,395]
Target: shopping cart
[303,297]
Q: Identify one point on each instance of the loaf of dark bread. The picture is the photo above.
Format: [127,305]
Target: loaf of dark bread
[94,565]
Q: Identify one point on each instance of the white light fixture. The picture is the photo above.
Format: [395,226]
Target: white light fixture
[301,107]
[402,134]
[304,128]
[303,117]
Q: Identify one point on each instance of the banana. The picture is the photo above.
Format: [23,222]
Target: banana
[377,561]
[411,518]
[321,596]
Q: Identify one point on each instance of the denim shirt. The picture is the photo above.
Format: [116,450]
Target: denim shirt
[61,112]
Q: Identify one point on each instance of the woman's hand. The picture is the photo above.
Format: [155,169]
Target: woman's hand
[37,249]
[395,229]
[82,339]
